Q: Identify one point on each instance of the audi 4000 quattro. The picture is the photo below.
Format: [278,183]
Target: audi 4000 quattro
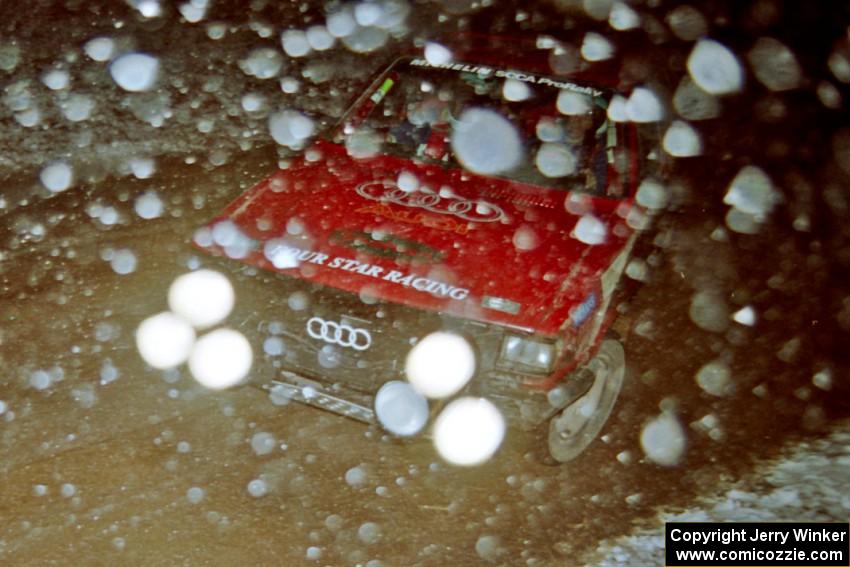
[480,199]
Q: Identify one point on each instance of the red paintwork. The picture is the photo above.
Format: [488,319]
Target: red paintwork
[548,280]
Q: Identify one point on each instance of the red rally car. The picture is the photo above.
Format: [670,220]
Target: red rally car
[386,244]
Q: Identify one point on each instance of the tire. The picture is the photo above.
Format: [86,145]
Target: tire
[577,425]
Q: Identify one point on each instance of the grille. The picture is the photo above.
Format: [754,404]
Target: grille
[354,374]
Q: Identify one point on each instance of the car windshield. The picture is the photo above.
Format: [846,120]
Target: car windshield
[566,139]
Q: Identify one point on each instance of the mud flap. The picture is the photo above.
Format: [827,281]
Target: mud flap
[573,429]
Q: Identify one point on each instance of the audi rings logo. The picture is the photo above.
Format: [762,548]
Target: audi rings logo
[339,334]
[474,211]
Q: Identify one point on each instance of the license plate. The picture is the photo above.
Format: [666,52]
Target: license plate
[313,395]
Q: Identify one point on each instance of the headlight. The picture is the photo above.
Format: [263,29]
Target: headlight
[527,355]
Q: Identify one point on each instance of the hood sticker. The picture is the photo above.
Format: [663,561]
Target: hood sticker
[386,246]
[510,74]
[285,256]
[472,211]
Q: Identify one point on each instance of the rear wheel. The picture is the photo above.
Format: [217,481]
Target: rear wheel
[573,429]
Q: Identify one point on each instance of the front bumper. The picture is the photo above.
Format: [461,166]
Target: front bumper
[330,373]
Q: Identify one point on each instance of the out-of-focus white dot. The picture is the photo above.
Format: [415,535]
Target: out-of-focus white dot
[109,216]
[28,118]
[682,140]
[203,297]
[715,68]
[752,192]
[363,143]
[555,160]
[263,443]
[298,300]
[341,23]
[295,226]
[149,8]
[572,103]
[687,23]
[369,532]
[663,440]
[617,109]
[355,476]
[56,79]
[195,494]
[742,222]
[135,72]
[368,13]
[57,176]
[123,262]
[440,364]
[257,488]
[289,85]
[142,167]
[577,204]
[400,409]
[489,548]
[262,62]
[715,378]
[165,340]
[822,379]
[839,64]
[525,238]
[40,380]
[295,43]
[253,102]
[486,142]
[652,194]
[638,270]
[590,230]
[225,232]
[596,47]
[745,316]
[77,107]
[193,11]
[437,54]
[290,128]
[319,38]
[644,106]
[514,90]
[220,359]
[829,96]
[148,205]
[775,65]
[469,431]
[622,17]
[693,103]
[407,181]
[273,346]
[100,48]
[549,130]
[203,237]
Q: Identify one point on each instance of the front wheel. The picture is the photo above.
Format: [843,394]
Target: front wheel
[572,430]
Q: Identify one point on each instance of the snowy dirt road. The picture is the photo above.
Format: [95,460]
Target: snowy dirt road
[734,341]
[112,462]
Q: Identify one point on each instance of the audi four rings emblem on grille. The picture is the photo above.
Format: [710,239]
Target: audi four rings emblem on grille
[339,333]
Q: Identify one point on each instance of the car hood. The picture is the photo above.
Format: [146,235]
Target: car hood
[474,247]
